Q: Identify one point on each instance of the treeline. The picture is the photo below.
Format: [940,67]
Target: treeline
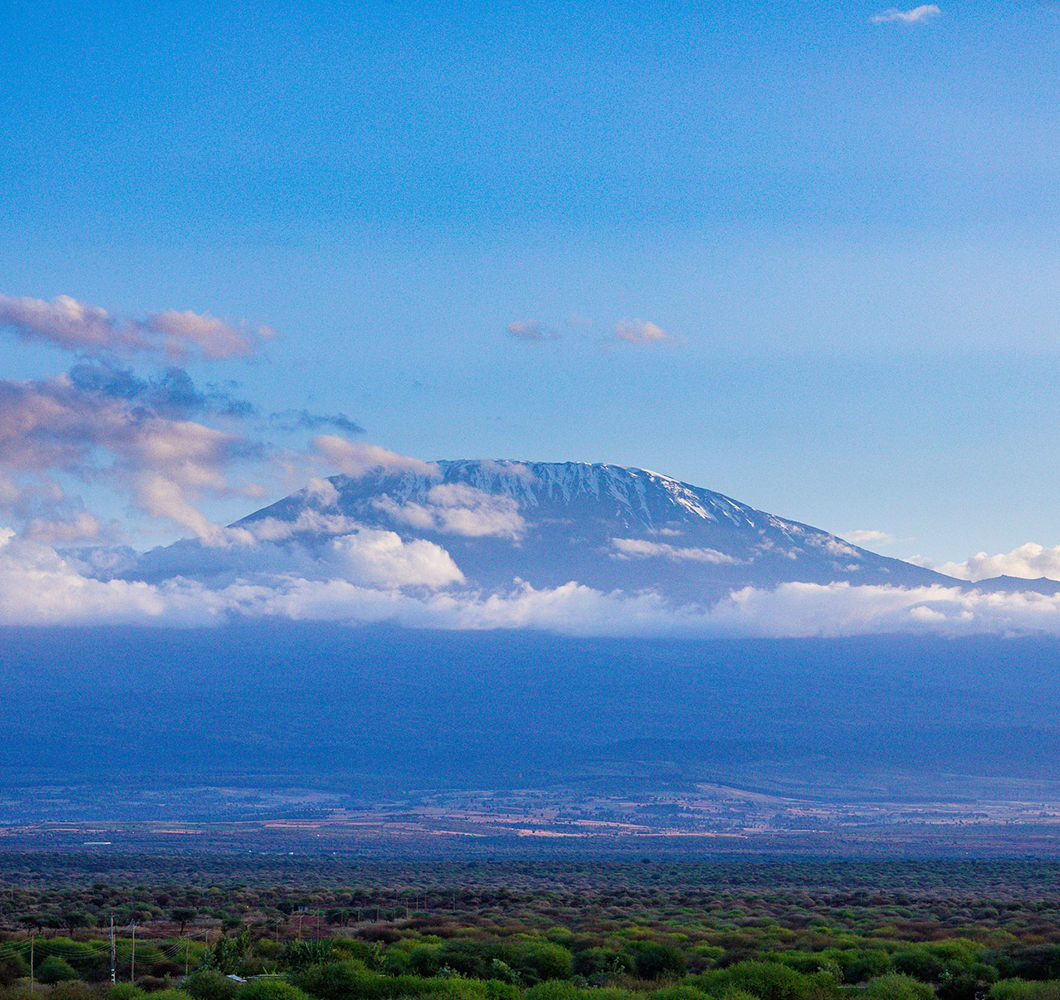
[527,930]
[911,900]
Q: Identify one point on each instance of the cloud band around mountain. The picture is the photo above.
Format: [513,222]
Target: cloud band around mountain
[370,576]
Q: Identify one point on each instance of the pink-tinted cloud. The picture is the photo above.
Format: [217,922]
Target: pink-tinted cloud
[77,326]
[637,331]
[357,458]
[167,463]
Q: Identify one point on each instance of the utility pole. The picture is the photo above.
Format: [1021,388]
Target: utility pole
[132,967]
[187,951]
[113,954]
[32,941]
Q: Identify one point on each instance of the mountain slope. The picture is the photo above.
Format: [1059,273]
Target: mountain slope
[604,526]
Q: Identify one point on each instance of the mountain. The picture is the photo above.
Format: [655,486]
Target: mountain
[604,526]
[1017,585]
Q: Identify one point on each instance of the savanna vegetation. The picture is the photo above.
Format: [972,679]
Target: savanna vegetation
[526,929]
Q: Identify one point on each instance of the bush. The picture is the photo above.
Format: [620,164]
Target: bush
[424,960]
[597,963]
[87,960]
[169,994]
[554,990]
[336,980]
[542,962]
[12,968]
[125,991]
[897,987]
[1020,989]
[860,966]
[768,981]
[677,993]
[654,960]
[73,990]
[271,989]
[919,964]
[211,985]
[1012,989]
[153,984]
[55,970]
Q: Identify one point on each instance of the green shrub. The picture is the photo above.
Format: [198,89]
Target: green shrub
[424,960]
[541,962]
[12,968]
[555,989]
[596,963]
[1020,989]
[211,985]
[654,961]
[55,970]
[71,989]
[676,993]
[1012,989]
[768,981]
[125,991]
[169,994]
[897,987]
[271,989]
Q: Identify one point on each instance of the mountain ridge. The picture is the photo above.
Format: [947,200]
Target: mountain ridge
[606,526]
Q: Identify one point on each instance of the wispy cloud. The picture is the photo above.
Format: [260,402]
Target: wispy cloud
[88,329]
[531,331]
[628,331]
[638,548]
[869,536]
[458,509]
[358,458]
[637,331]
[295,420]
[925,12]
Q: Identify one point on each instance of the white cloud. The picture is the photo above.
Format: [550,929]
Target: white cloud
[77,326]
[833,546]
[915,16]
[358,458]
[383,559]
[869,536]
[1028,562]
[39,587]
[375,576]
[322,492]
[458,509]
[636,331]
[638,548]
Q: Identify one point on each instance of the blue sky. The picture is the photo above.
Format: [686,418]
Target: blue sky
[847,229]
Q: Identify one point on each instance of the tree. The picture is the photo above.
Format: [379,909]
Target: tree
[183,915]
